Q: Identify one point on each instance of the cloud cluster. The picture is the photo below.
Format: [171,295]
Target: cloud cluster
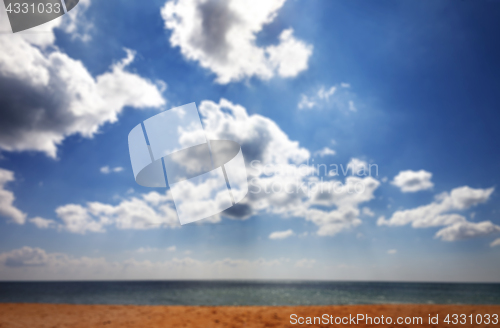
[337,96]
[42,223]
[466,229]
[326,151]
[221,35]
[413,181]
[261,140]
[107,170]
[7,198]
[281,234]
[439,213]
[346,198]
[47,95]
[151,210]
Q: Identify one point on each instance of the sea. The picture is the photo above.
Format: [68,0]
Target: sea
[247,293]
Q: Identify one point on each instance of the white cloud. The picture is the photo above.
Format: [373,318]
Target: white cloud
[77,219]
[324,152]
[413,181]
[392,251]
[335,96]
[465,230]
[25,256]
[290,56]
[48,95]
[7,198]
[368,212]
[346,198]
[306,103]
[326,94]
[352,107]
[358,167]
[151,210]
[107,170]
[261,140]
[438,213]
[221,36]
[43,223]
[495,242]
[281,234]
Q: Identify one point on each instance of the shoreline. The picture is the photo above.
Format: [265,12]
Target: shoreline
[152,316]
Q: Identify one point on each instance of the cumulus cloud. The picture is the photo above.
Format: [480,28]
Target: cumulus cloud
[337,96]
[281,234]
[264,144]
[495,242]
[261,139]
[48,95]
[346,198]
[43,223]
[25,256]
[221,36]
[392,251]
[413,181]
[325,152]
[465,230]
[360,167]
[107,170]
[438,213]
[368,212]
[7,198]
[151,210]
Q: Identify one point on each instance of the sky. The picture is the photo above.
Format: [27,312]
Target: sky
[397,99]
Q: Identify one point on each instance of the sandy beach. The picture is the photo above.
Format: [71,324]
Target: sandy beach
[86,316]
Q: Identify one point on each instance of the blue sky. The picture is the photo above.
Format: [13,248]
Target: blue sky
[414,92]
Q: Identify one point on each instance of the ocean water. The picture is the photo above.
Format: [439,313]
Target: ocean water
[246,293]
